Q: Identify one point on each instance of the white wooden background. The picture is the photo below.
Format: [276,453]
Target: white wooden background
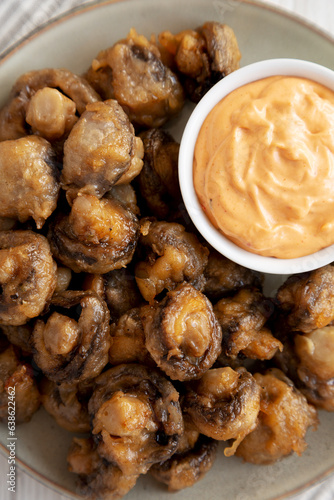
[19,17]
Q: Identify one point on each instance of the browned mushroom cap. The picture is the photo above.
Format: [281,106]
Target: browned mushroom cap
[98,236]
[128,340]
[282,423]
[308,299]
[223,277]
[67,403]
[316,351]
[72,344]
[27,276]
[224,404]
[172,256]
[315,369]
[19,336]
[126,195]
[182,333]
[28,171]
[308,360]
[118,288]
[121,291]
[203,56]
[158,180]
[242,318]
[131,71]
[183,470]
[19,396]
[136,417]
[13,115]
[100,150]
[99,479]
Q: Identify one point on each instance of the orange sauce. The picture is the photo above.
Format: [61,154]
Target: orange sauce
[264,166]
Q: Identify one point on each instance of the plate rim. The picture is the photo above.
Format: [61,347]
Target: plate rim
[52,23]
[64,16]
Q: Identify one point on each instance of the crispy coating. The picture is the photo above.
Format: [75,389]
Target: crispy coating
[72,344]
[13,122]
[203,56]
[19,395]
[223,277]
[126,195]
[132,72]
[118,288]
[224,404]
[172,256]
[27,276]
[283,420]
[100,151]
[98,236]
[98,479]
[184,469]
[307,300]
[28,170]
[19,336]
[136,417]
[316,351]
[308,360]
[128,340]
[158,180]
[182,333]
[67,403]
[242,318]
[121,292]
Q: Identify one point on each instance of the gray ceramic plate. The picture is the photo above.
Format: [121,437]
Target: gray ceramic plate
[72,42]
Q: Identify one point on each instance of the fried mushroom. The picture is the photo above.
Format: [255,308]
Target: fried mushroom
[223,277]
[202,56]
[158,180]
[118,288]
[242,318]
[27,276]
[136,417]
[98,235]
[282,423]
[72,344]
[27,169]
[308,360]
[67,403]
[19,336]
[121,291]
[172,256]
[19,395]
[307,300]
[132,72]
[126,195]
[98,479]
[101,151]
[182,333]
[186,468]
[45,102]
[224,404]
[128,340]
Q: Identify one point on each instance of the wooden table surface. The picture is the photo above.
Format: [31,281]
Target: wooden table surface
[19,17]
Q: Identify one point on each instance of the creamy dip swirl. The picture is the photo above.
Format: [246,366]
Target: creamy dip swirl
[264,166]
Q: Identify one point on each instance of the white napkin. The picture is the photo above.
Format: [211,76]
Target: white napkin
[18,18]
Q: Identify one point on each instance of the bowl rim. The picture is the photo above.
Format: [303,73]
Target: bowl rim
[238,78]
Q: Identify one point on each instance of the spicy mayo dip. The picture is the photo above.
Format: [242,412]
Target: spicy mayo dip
[264,166]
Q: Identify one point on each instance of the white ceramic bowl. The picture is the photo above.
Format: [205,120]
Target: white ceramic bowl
[247,74]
